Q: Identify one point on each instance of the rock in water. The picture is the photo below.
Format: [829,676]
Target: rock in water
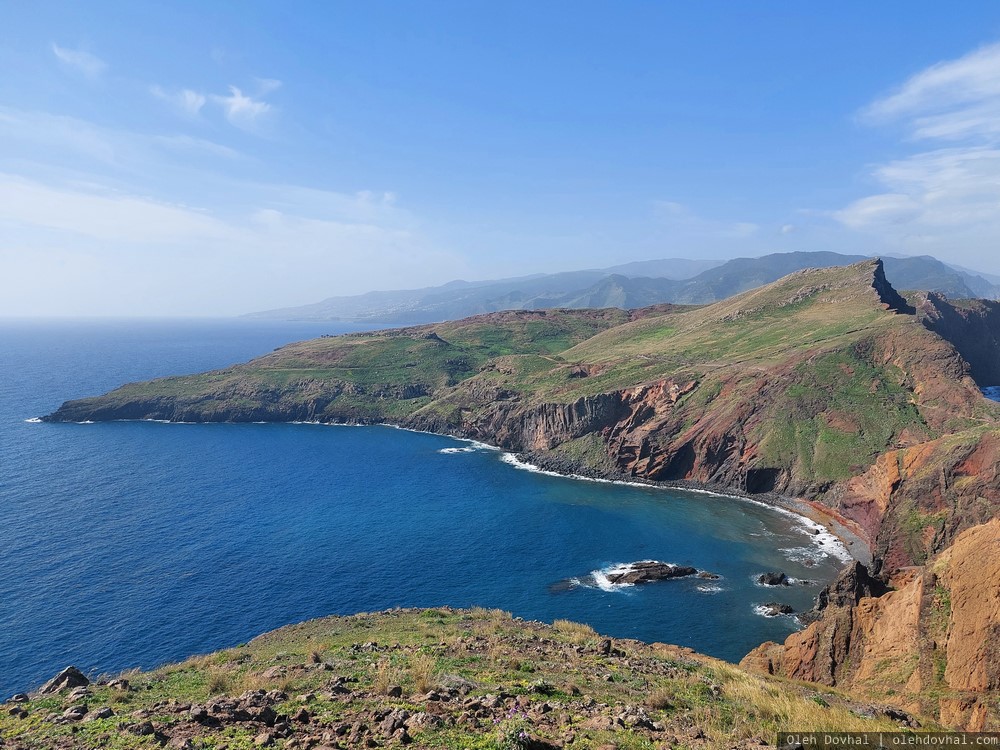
[71,677]
[773,609]
[772,578]
[650,570]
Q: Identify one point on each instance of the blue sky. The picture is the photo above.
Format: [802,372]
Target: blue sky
[219,158]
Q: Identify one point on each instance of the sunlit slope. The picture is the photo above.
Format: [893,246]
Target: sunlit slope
[362,377]
[437,678]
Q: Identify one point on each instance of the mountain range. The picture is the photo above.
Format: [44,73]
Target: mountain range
[628,286]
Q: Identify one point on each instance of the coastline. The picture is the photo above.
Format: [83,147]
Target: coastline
[812,514]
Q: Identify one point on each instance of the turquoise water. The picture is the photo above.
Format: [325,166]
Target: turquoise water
[132,544]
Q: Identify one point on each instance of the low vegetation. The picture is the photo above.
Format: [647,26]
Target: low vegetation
[437,678]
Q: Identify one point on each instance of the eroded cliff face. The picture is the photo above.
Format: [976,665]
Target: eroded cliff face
[971,326]
[931,645]
[777,429]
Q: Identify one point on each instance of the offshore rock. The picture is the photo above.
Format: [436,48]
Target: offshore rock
[647,571]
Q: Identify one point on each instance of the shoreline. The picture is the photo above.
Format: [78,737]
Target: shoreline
[813,514]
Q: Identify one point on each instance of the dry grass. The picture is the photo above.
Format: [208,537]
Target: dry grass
[423,667]
[766,706]
[251,681]
[577,632]
[220,680]
[383,677]
[661,699]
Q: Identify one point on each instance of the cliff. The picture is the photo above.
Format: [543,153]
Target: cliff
[826,385]
[931,644]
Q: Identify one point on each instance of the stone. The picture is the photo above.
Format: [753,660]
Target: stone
[646,571]
[773,578]
[198,713]
[773,609]
[143,729]
[69,678]
[75,713]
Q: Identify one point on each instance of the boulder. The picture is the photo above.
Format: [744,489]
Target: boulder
[773,609]
[71,677]
[773,578]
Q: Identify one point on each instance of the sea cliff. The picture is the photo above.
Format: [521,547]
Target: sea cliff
[826,386]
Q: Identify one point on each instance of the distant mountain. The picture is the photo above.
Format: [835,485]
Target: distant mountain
[627,286]
[458,299]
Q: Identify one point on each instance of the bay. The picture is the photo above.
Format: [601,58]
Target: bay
[133,544]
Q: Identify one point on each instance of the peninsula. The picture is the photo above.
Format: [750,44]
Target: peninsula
[827,386]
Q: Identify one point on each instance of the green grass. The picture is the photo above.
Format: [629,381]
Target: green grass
[421,649]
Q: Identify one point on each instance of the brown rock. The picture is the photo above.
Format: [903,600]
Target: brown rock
[70,677]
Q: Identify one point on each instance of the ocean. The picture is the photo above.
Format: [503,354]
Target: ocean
[132,544]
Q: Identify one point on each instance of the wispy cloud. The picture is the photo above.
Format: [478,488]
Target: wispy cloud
[84,235]
[948,194]
[88,64]
[951,100]
[45,136]
[185,101]
[266,85]
[241,110]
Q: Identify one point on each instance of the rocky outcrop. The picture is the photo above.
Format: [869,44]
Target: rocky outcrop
[647,571]
[69,678]
[773,578]
[971,326]
[932,643]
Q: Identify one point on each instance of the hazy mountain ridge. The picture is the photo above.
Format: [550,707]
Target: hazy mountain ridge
[628,286]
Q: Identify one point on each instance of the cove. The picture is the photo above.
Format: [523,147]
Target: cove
[133,544]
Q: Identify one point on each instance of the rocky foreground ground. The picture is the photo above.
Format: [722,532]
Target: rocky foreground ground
[437,678]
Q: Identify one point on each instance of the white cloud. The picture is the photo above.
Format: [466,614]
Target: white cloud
[103,215]
[266,85]
[950,100]
[945,198]
[85,241]
[241,110]
[88,64]
[186,101]
[62,139]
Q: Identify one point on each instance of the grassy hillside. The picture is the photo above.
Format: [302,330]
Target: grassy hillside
[437,678]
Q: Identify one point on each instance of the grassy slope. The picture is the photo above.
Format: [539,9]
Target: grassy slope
[372,376]
[553,683]
[808,353]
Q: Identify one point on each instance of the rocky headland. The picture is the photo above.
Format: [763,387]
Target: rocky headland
[827,386]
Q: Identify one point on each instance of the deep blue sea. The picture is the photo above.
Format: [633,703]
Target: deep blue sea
[133,544]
